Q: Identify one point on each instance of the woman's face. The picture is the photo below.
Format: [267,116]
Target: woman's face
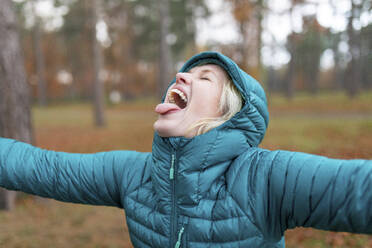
[194,96]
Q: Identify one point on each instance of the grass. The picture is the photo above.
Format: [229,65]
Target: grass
[53,224]
[330,125]
[322,103]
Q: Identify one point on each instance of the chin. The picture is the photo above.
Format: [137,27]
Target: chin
[162,129]
[167,129]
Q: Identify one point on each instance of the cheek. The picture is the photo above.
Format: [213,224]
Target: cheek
[206,101]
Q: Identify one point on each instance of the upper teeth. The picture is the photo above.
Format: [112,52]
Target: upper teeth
[178,92]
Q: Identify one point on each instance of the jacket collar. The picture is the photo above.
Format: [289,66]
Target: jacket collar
[199,162]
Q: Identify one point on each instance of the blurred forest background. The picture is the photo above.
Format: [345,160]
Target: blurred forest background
[85,75]
[143,43]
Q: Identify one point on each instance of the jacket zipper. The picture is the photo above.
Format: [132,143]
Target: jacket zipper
[178,244]
[172,171]
[181,241]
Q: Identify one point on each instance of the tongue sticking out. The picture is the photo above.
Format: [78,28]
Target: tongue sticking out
[164,108]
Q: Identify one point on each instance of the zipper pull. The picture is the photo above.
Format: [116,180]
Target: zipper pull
[178,244]
[171,171]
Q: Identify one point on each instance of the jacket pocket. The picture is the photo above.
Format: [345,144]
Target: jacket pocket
[182,237]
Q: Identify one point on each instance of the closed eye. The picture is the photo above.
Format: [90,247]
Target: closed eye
[205,78]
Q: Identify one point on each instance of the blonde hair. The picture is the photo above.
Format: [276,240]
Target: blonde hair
[230,103]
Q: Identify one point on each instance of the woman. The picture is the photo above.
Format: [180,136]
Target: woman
[206,183]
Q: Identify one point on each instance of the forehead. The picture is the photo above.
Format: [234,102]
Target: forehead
[218,70]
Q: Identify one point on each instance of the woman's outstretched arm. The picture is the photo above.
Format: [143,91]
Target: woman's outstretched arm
[99,179]
[296,189]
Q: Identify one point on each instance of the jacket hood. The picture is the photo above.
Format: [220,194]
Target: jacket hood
[253,118]
[199,163]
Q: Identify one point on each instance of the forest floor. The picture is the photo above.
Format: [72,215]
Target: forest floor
[330,125]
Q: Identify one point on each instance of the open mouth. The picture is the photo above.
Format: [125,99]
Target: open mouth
[177,97]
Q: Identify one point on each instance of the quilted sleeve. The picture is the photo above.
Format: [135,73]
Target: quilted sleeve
[296,189]
[98,179]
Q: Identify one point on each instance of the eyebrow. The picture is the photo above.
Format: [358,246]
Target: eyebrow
[207,71]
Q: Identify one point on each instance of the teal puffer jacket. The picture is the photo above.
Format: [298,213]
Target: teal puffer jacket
[214,190]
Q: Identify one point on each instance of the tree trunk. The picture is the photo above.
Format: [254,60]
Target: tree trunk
[337,78]
[288,83]
[243,63]
[260,16]
[98,90]
[39,61]
[40,66]
[15,119]
[352,83]
[165,54]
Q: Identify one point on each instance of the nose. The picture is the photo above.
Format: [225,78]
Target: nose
[183,77]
